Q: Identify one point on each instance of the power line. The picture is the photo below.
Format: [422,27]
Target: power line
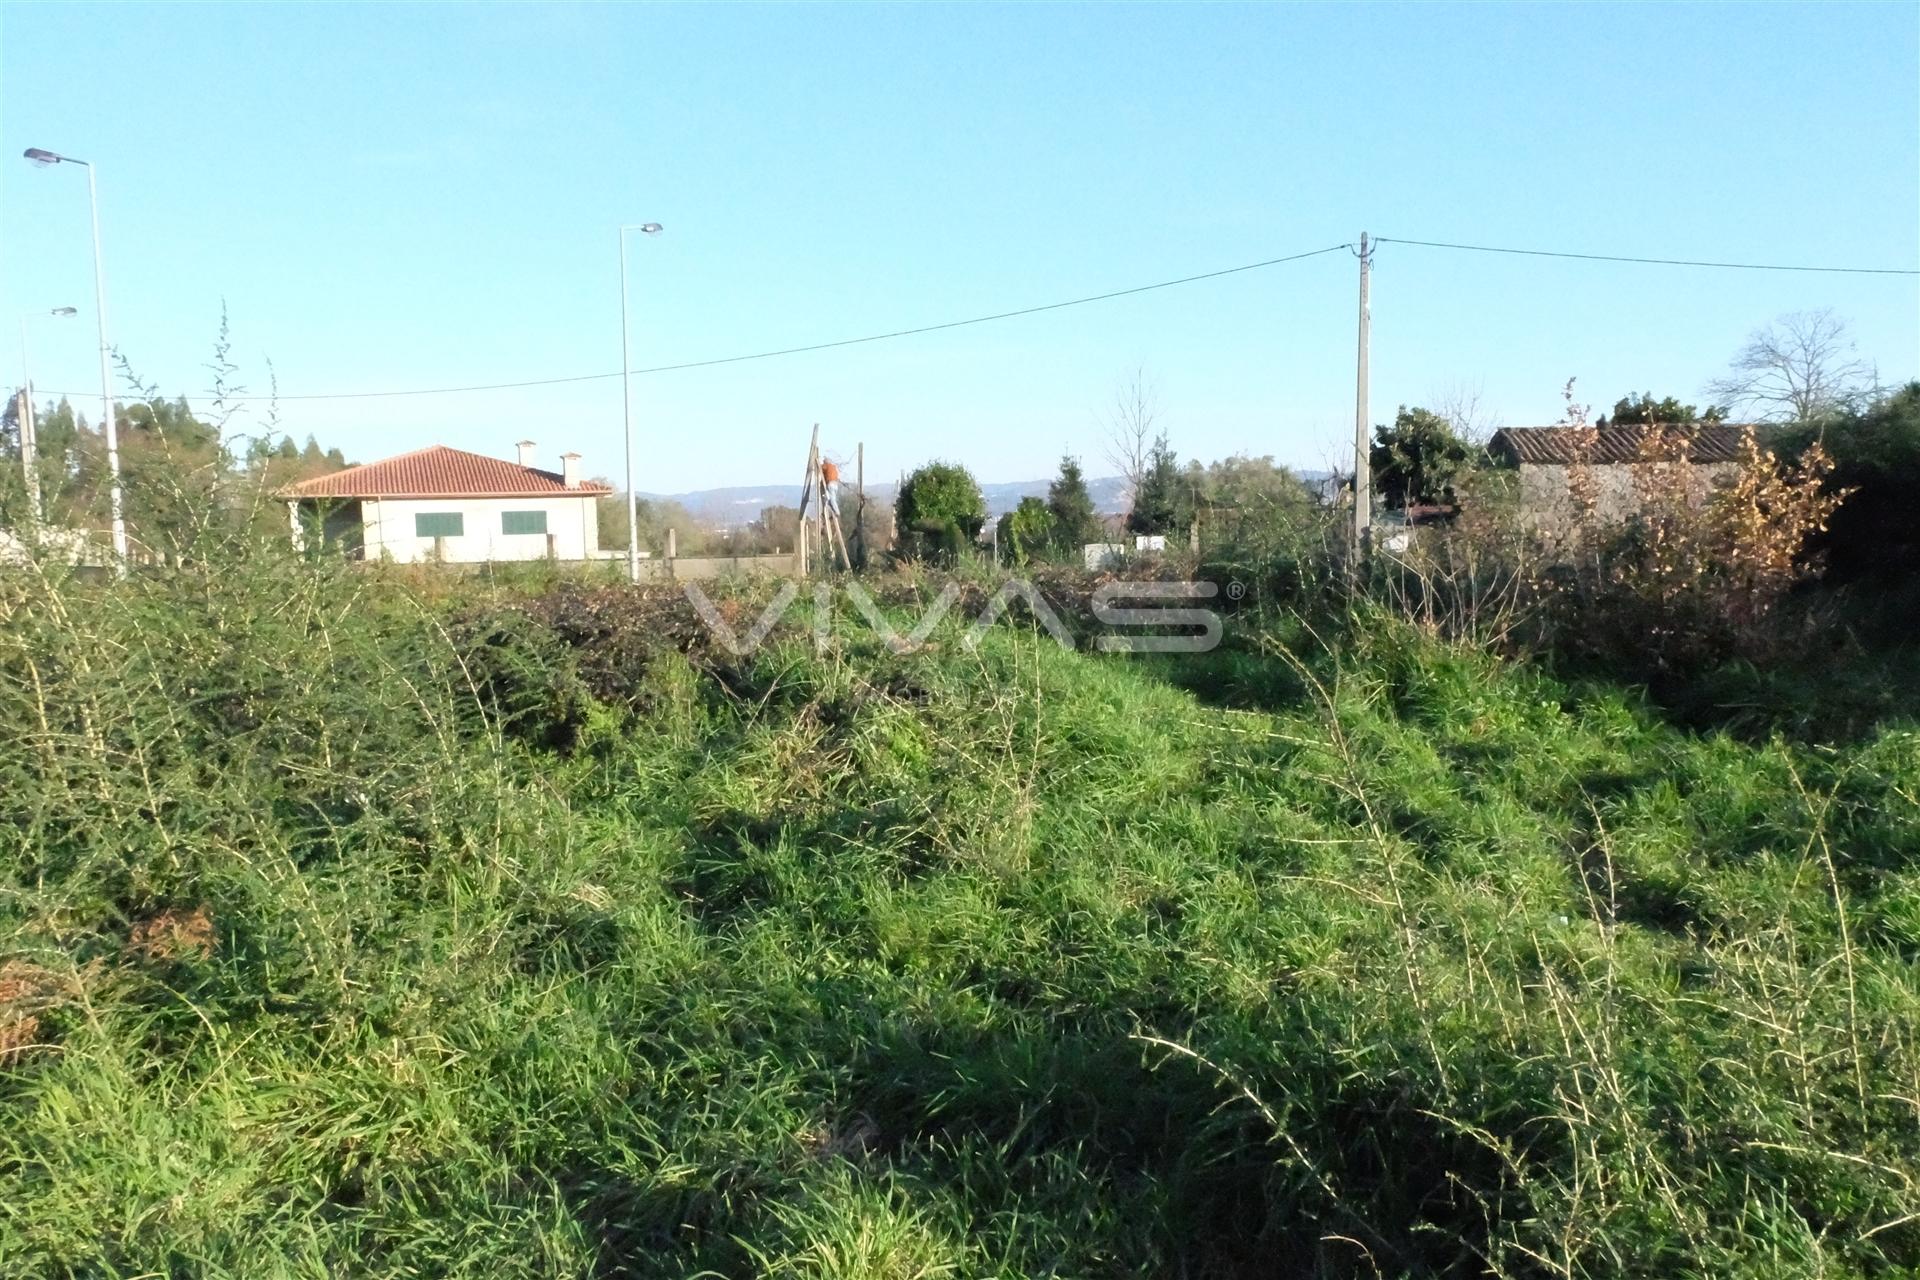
[1003,315]
[1052,306]
[1656,262]
[793,351]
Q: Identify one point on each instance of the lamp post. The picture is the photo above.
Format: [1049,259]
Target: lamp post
[626,402]
[29,435]
[43,157]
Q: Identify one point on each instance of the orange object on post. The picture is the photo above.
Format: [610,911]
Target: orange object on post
[830,472]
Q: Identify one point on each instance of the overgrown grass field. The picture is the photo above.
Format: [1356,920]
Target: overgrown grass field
[350,928]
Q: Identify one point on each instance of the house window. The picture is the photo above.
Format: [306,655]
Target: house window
[523,522]
[438,524]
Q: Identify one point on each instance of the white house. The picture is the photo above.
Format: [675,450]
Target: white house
[453,506]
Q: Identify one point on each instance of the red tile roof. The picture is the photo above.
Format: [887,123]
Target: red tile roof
[439,472]
[1560,446]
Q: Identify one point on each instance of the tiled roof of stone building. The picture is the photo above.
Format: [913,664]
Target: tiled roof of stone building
[1561,446]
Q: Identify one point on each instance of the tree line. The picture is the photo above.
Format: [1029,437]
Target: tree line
[178,473]
[1800,380]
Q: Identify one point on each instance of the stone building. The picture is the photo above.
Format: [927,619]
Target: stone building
[1547,459]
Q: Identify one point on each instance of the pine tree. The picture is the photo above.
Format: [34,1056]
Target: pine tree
[1163,501]
[1075,521]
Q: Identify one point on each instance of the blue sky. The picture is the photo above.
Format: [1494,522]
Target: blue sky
[391,197]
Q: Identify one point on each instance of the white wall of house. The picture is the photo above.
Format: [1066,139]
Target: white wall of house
[392,530]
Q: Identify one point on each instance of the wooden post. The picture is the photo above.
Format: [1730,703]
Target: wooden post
[802,543]
[860,501]
[831,513]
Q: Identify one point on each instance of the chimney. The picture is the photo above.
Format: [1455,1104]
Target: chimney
[570,470]
[526,448]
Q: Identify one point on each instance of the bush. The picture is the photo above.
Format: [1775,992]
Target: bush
[1876,461]
[939,511]
[1028,531]
[1693,578]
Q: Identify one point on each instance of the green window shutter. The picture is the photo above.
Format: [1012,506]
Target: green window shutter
[438,524]
[523,522]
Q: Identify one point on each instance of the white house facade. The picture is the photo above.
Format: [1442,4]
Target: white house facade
[452,506]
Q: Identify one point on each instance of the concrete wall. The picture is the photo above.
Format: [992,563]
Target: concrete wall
[1546,501]
[573,531]
[700,568]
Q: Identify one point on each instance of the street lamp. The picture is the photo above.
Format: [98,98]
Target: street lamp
[43,157]
[626,399]
[29,436]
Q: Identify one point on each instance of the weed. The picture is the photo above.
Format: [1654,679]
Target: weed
[517,930]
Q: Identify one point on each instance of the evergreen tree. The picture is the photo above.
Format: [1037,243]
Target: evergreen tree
[1417,459]
[1163,500]
[1075,522]
[1645,409]
[1027,531]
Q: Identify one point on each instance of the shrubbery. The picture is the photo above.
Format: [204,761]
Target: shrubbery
[939,512]
[1876,462]
[515,932]
[1696,575]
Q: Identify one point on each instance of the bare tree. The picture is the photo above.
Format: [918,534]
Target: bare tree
[1130,426]
[1802,367]
[1461,405]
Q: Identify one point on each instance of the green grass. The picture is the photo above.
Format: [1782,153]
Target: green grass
[550,949]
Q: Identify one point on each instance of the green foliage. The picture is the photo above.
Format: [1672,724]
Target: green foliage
[346,929]
[183,483]
[1163,502]
[1028,531]
[777,529]
[1876,453]
[1644,409]
[939,511]
[1418,459]
[71,463]
[656,516]
[1260,525]
[1075,520]
[1247,483]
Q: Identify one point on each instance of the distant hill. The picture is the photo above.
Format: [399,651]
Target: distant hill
[740,504]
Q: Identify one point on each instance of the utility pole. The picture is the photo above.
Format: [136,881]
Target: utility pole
[29,430]
[1362,467]
[626,403]
[29,444]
